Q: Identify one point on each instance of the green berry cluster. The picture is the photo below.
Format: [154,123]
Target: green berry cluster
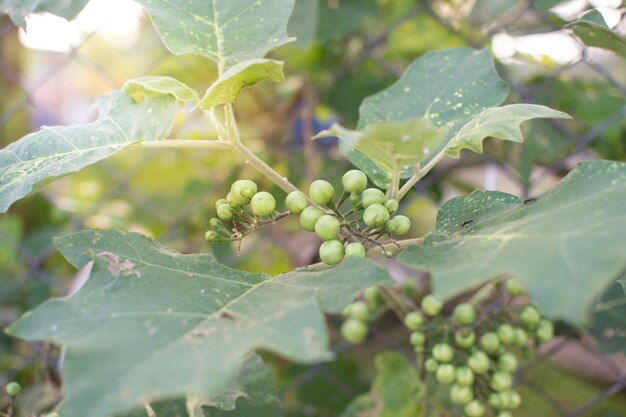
[366,219]
[359,314]
[245,209]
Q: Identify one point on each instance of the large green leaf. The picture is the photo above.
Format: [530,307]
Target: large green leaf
[608,321]
[593,31]
[395,392]
[19,9]
[566,246]
[227,87]
[148,312]
[226,31]
[56,150]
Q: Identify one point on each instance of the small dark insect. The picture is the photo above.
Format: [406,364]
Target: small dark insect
[530,200]
[467,223]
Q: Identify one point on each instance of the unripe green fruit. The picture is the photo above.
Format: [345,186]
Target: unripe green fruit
[464,376]
[359,311]
[445,373]
[465,338]
[263,204]
[514,287]
[296,201]
[375,215]
[545,331]
[521,337]
[391,226]
[212,236]
[461,394]
[355,249]
[504,414]
[494,400]
[235,200]
[354,331]
[515,400]
[417,339]
[216,224]
[478,362]
[506,334]
[372,296]
[414,320]
[443,352]
[431,365]
[354,181]
[225,212]
[391,205]
[220,202]
[331,252]
[507,362]
[464,314]
[419,349]
[409,287]
[489,342]
[431,305]
[309,217]
[403,224]
[530,316]
[13,389]
[321,192]
[347,311]
[327,227]
[501,381]
[55,414]
[474,409]
[372,196]
[245,188]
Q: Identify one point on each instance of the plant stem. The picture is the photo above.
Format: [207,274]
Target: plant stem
[186,143]
[419,174]
[392,191]
[394,301]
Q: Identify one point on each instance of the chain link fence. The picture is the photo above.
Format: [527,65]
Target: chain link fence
[37,85]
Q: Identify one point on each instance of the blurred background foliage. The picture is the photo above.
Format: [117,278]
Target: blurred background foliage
[346,50]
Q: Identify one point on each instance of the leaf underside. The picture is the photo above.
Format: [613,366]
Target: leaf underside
[567,246]
[593,31]
[147,311]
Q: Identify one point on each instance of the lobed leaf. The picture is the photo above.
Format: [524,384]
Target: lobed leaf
[147,311]
[593,31]
[227,87]
[160,85]
[225,31]
[54,151]
[566,246]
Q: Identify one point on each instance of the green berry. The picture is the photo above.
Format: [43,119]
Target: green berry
[514,287]
[431,365]
[417,338]
[354,331]
[431,305]
[414,320]
[445,373]
[521,337]
[506,333]
[545,331]
[347,311]
[501,381]
[327,227]
[465,338]
[263,204]
[309,216]
[372,196]
[403,224]
[530,316]
[389,253]
[494,400]
[409,287]
[225,212]
[443,352]
[55,414]
[331,252]
[489,342]
[220,202]
[461,394]
[478,362]
[464,376]
[296,201]
[359,311]
[391,226]
[235,200]
[212,236]
[464,314]
[419,349]
[504,414]
[515,400]
[354,181]
[244,188]
[507,362]
[474,408]
[355,249]
[375,215]
[391,205]
[13,389]
[321,192]
[372,295]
